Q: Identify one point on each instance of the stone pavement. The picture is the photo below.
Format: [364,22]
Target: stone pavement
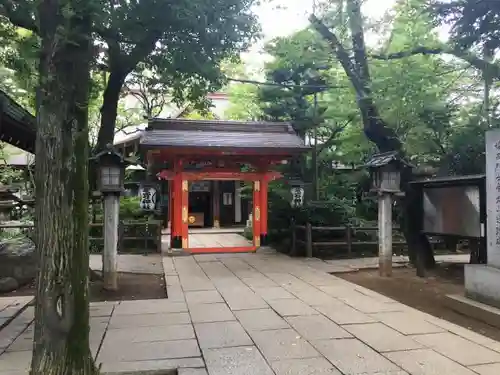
[266,314]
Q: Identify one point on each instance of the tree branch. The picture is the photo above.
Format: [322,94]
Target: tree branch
[340,53]
[18,16]
[475,61]
[334,134]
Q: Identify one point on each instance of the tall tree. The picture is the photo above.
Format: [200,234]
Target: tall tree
[61,344]
[377,130]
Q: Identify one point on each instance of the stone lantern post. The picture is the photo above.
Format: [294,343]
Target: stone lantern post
[385,173]
[111,171]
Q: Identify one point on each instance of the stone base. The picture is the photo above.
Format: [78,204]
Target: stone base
[474,309]
[482,283]
[177,252]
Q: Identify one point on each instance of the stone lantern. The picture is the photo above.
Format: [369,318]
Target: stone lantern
[111,171]
[385,173]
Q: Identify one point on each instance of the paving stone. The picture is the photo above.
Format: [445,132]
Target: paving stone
[203,296]
[259,320]
[144,351]
[236,361]
[175,294]
[221,335]
[458,349]
[21,343]
[101,310]
[148,320]
[369,305]
[370,293]
[271,293]
[317,327]
[17,326]
[10,311]
[407,323]
[281,344]
[304,366]
[192,371]
[205,258]
[489,369]
[244,300]
[194,283]
[291,307]
[168,264]
[206,313]
[15,361]
[317,279]
[351,356]
[140,307]
[159,364]
[150,334]
[338,290]
[315,297]
[382,338]
[427,362]
[464,332]
[340,313]
[259,282]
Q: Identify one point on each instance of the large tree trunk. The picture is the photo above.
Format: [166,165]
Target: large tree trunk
[109,109]
[61,345]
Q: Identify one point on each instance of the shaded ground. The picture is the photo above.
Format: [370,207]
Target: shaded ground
[131,287]
[425,294]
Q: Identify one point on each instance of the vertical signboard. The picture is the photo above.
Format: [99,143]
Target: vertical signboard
[493,196]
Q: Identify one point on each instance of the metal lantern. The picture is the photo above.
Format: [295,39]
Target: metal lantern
[111,171]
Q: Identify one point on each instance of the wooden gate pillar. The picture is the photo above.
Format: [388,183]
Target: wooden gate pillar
[185,212]
[176,212]
[264,210]
[257,210]
[216,204]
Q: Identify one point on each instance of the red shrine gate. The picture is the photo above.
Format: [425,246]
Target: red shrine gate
[220,150]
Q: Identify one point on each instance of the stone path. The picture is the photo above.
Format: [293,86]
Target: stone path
[265,313]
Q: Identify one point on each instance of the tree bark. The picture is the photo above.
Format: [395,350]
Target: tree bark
[61,340]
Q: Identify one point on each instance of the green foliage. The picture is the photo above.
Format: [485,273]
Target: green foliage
[130,208]
[243,102]
[472,22]
[8,173]
[181,45]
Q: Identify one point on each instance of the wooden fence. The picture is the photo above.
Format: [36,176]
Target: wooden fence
[346,237]
[133,236]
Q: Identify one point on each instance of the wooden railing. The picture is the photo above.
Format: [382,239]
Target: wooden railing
[345,236]
[133,236]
